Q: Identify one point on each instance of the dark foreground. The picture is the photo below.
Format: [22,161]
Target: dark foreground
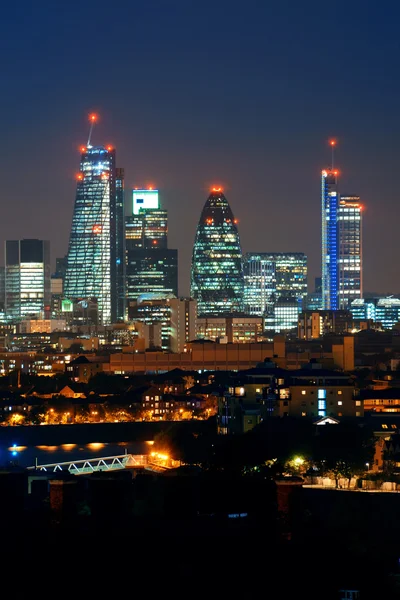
[194,534]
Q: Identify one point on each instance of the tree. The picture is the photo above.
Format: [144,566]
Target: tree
[343,450]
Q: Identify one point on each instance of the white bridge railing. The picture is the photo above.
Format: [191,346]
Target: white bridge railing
[105,463]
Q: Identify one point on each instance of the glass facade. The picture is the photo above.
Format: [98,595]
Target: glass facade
[259,284]
[387,312]
[350,250]
[151,267]
[329,209]
[269,276]
[151,271]
[27,278]
[96,252]
[217,279]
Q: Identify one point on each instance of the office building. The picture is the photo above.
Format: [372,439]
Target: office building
[313,300]
[316,324]
[151,267]
[153,309]
[350,250]
[217,281]
[341,239]
[242,329]
[329,231]
[285,316]
[259,283]
[27,278]
[183,322]
[96,253]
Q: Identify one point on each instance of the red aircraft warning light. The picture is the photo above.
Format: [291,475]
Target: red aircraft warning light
[216,189]
[79,176]
[93,117]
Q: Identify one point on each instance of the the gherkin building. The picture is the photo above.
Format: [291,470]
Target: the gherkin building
[217,281]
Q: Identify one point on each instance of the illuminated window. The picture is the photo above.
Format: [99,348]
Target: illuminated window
[339,392]
[358,402]
[384,426]
[340,403]
[303,414]
[303,392]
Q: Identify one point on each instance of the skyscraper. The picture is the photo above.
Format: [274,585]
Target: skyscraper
[350,250]
[27,278]
[96,253]
[217,281]
[271,275]
[151,267]
[341,244]
[329,210]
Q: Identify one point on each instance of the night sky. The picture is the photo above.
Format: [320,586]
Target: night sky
[196,93]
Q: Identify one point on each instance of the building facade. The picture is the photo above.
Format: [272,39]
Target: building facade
[183,322]
[27,278]
[329,238]
[350,250]
[151,267]
[341,245]
[96,253]
[217,281]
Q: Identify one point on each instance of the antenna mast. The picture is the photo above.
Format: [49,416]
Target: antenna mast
[333,144]
[92,119]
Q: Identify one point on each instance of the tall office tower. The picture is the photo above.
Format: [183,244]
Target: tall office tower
[271,275]
[329,212]
[27,278]
[96,253]
[259,284]
[151,267]
[350,250]
[217,280]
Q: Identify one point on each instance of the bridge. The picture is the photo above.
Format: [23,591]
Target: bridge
[104,463]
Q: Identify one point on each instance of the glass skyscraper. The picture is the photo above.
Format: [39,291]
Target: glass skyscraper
[329,209]
[151,267]
[350,250]
[27,278]
[96,253]
[271,275]
[217,280]
[341,245]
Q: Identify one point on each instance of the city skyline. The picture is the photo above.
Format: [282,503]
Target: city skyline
[253,115]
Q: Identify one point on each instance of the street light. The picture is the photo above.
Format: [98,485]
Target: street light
[367,465]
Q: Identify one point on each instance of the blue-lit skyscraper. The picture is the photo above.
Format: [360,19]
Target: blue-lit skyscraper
[96,253]
[330,249]
[217,281]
